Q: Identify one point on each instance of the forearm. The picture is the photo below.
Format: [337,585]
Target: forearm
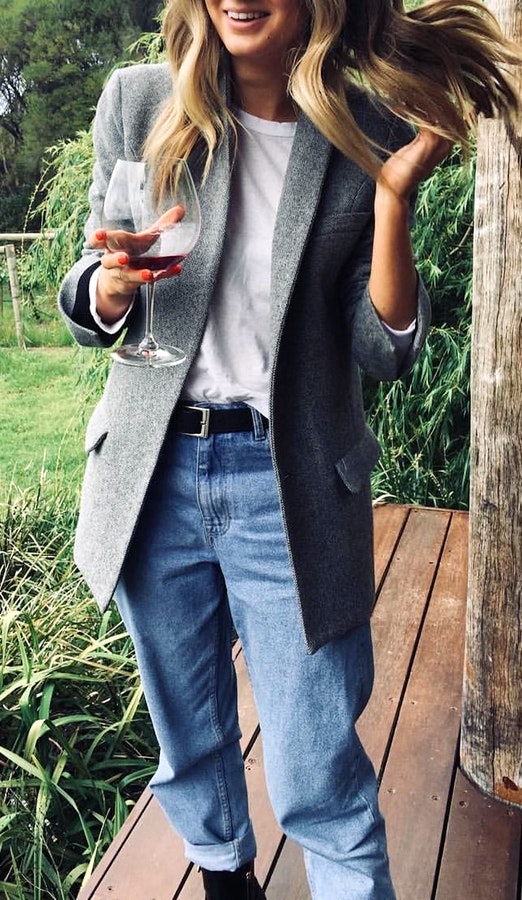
[393,278]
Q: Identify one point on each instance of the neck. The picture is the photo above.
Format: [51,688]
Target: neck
[266,97]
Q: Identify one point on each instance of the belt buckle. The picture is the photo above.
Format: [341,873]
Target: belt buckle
[204,425]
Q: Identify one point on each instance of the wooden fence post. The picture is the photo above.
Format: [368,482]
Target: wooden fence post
[10,254]
[491,742]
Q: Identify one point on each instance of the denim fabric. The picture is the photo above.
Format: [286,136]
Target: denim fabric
[209,551]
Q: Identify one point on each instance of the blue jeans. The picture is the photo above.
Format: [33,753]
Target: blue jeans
[210,551]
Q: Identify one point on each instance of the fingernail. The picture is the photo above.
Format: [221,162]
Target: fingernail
[123,259]
[99,234]
[146,275]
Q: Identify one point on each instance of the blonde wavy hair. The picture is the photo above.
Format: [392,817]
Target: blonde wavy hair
[441,65]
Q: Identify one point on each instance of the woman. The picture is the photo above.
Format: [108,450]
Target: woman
[235,488]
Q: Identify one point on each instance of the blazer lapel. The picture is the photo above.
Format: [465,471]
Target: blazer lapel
[200,270]
[300,197]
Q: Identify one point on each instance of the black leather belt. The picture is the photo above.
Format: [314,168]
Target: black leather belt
[200,421]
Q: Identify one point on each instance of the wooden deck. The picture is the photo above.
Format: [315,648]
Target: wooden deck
[446,840]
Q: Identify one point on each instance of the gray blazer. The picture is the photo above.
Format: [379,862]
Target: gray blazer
[324,328]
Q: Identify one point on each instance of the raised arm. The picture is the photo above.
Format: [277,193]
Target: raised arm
[393,279]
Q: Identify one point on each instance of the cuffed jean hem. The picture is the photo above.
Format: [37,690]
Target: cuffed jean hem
[223,857]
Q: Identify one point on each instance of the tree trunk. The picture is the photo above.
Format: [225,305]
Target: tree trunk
[491,743]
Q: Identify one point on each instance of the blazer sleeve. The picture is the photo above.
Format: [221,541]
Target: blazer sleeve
[109,145]
[372,345]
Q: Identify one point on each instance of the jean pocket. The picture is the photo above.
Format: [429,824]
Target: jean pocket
[355,466]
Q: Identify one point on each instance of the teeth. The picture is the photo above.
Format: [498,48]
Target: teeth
[245,16]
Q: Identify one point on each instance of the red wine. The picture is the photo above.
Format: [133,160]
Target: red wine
[155,263]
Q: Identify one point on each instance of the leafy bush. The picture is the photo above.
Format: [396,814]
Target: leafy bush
[63,211]
[78,746]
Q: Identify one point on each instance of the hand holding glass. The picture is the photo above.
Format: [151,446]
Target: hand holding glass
[156,234]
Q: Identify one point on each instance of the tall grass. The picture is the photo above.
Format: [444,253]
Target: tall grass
[77,745]
[422,422]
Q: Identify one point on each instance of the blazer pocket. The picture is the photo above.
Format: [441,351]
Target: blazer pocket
[355,466]
[97,428]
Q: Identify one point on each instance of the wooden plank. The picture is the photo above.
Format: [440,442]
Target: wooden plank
[147,835]
[396,621]
[289,881]
[389,520]
[132,821]
[21,236]
[482,847]
[148,865]
[419,771]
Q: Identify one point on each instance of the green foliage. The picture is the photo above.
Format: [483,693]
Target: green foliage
[77,745]
[63,212]
[150,47]
[60,204]
[422,422]
[13,207]
[54,58]
[443,238]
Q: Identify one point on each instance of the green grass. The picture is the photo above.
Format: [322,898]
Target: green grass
[41,416]
[42,326]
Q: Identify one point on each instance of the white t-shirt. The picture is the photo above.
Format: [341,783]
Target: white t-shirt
[233,362]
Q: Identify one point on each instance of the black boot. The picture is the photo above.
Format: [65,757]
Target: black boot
[239,885]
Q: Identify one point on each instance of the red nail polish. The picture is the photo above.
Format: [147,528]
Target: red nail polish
[147,275]
[99,234]
[123,259]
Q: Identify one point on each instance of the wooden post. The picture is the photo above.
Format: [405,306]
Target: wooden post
[15,293]
[491,743]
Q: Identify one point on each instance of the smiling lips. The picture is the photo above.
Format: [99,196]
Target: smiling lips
[245,16]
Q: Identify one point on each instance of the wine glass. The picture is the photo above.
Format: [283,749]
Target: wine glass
[156,234]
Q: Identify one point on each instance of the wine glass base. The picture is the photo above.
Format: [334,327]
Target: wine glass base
[133,355]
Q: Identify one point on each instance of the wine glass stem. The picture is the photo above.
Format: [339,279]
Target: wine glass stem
[148,342]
